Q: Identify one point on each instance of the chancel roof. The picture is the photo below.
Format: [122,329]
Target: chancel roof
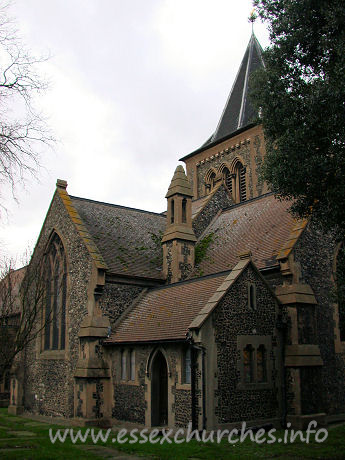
[127,238]
[262,225]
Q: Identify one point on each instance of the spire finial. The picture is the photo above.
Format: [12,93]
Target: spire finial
[252,18]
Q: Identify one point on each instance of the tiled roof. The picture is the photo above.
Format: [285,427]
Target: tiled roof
[80,225]
[262,225]
[127,238]
[166,313]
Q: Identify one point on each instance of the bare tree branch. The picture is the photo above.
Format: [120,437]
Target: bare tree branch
[22,307]
[23,130]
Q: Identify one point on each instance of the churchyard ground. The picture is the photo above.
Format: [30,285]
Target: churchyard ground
[24,438]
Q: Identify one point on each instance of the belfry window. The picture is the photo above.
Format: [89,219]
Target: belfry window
[228,178]
[211,181]
[240,181]
[55,296]
[235,182]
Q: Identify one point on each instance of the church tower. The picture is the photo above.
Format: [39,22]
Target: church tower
[179,238]
[234,153]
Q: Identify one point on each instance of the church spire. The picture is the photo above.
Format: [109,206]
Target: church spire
[238,111]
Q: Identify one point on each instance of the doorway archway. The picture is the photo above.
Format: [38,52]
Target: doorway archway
[159,390]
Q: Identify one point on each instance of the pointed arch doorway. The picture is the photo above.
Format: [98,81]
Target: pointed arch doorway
[159,391]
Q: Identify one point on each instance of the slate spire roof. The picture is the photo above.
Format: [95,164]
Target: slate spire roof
[238,111]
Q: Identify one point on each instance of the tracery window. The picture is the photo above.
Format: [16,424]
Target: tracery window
[55,296]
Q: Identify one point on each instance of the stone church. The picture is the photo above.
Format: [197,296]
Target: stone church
[218,311]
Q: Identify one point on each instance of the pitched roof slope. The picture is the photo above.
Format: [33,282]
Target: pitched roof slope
[166,313]
[200,203]
[238,111]
[262,225]
[127,238]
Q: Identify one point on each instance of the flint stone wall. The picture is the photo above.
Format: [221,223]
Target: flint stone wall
[322,387]
[48,379]
[232,318]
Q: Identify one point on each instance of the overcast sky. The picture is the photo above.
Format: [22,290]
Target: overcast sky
[135,85]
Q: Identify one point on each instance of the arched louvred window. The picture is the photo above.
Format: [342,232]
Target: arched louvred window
[56,295]
[239,184]
[243,188]
[228,178]
[240,181]
[212,180]
[340,288]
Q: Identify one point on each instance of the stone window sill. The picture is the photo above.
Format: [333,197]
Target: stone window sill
[254,386]
[183,386]
[129,382]
[53,354]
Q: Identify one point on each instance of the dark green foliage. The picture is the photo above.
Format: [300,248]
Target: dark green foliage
[201,248]
[301,95]
[340,288]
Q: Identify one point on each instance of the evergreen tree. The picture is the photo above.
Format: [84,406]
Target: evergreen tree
[301,97]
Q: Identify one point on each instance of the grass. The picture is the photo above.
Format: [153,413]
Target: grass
[34,443]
